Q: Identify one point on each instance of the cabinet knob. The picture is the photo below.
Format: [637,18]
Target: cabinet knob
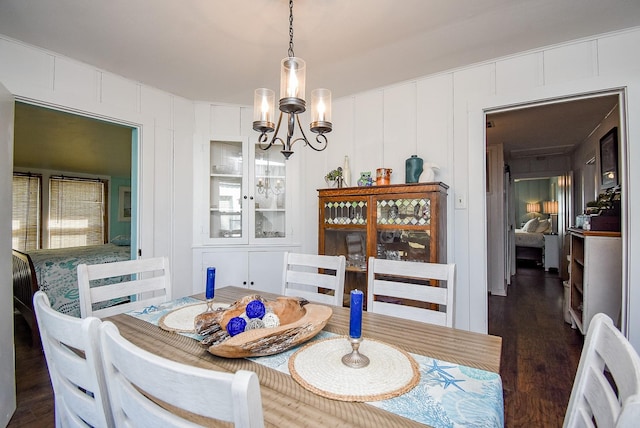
[251,282]
[244,282]
[251,197]
[245,196]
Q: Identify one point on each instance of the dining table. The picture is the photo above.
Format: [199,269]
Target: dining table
[286,403]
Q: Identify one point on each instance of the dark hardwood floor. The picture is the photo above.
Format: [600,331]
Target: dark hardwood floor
[540,354]
[33,387]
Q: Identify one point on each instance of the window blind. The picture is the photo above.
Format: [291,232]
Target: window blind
[76,212]
[25,225]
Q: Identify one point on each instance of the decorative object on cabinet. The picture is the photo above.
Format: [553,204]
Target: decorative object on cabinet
[430,172]
[383,176]
[334,177]
[609,159]
[413,169]
[365,179]
[346,172]
[595,275]
[292,103]
[397,222]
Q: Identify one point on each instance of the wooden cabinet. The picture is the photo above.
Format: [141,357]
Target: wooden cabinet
[595,275]
[401,222]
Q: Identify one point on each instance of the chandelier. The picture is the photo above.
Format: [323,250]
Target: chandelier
[292,104]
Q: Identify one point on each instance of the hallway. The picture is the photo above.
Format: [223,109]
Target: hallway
[540,352]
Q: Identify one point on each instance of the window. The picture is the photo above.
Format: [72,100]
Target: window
[76,212]
[25,225]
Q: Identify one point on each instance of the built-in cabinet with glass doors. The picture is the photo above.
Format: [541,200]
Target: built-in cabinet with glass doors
[246,232]
[247,192]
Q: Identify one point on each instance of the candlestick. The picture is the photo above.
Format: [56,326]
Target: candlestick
[355,315]
[355,359]
[211,286]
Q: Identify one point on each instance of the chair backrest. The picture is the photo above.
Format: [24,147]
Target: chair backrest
[304,275]
[391,283]
[71,348]
[607,357]
[133,375]
[145,282]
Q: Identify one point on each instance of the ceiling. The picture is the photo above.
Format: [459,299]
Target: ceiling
[221,51]
[50,139]
[549,129]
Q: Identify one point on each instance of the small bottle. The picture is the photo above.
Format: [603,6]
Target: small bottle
[346,173]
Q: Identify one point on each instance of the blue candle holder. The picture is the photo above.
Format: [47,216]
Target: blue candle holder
[355,359]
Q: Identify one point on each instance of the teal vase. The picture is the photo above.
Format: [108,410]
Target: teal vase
[413,169]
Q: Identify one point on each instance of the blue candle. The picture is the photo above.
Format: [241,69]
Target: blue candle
[355,316]
[211,282]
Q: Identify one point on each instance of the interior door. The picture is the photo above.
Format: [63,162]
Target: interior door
[7,362]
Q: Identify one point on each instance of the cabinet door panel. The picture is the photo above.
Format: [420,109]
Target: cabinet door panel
[227,191]
[265,270]
[231,267]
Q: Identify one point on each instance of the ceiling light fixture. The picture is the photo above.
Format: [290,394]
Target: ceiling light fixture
[292,103]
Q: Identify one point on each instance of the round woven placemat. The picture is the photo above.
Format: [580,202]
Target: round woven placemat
[318,367]
[181,320]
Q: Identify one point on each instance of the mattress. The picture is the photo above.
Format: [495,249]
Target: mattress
[529,239]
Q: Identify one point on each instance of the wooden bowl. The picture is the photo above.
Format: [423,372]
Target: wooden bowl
[269,341]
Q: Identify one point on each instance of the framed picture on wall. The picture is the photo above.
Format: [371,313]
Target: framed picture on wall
[609,159]
[124,204]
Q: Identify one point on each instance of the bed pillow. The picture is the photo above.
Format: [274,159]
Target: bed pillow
[121,240]
[530,226]
[544,226]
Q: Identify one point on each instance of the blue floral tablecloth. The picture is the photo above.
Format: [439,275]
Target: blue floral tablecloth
[448,394]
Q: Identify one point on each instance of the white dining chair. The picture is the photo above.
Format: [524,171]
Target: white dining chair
[135,376]
[392,282]
[309,275]
[607,384]
[71,349]
[144,282]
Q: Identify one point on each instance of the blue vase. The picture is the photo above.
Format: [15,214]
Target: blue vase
[413,169]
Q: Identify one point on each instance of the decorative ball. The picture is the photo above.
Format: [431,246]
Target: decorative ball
[254,323]
[255,309]
[271,320]
[236,325]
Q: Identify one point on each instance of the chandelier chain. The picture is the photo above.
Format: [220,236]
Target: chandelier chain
[291,54]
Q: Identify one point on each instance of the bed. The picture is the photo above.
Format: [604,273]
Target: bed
[55,272]
[530,240]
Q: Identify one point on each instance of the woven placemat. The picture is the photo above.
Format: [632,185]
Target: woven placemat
[318,367]
[181,320]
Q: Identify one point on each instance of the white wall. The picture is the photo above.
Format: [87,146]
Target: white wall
[441,118]
[166,134]
[7,356]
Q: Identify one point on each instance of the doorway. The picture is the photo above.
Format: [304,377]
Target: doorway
[554,138]
[51,142]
